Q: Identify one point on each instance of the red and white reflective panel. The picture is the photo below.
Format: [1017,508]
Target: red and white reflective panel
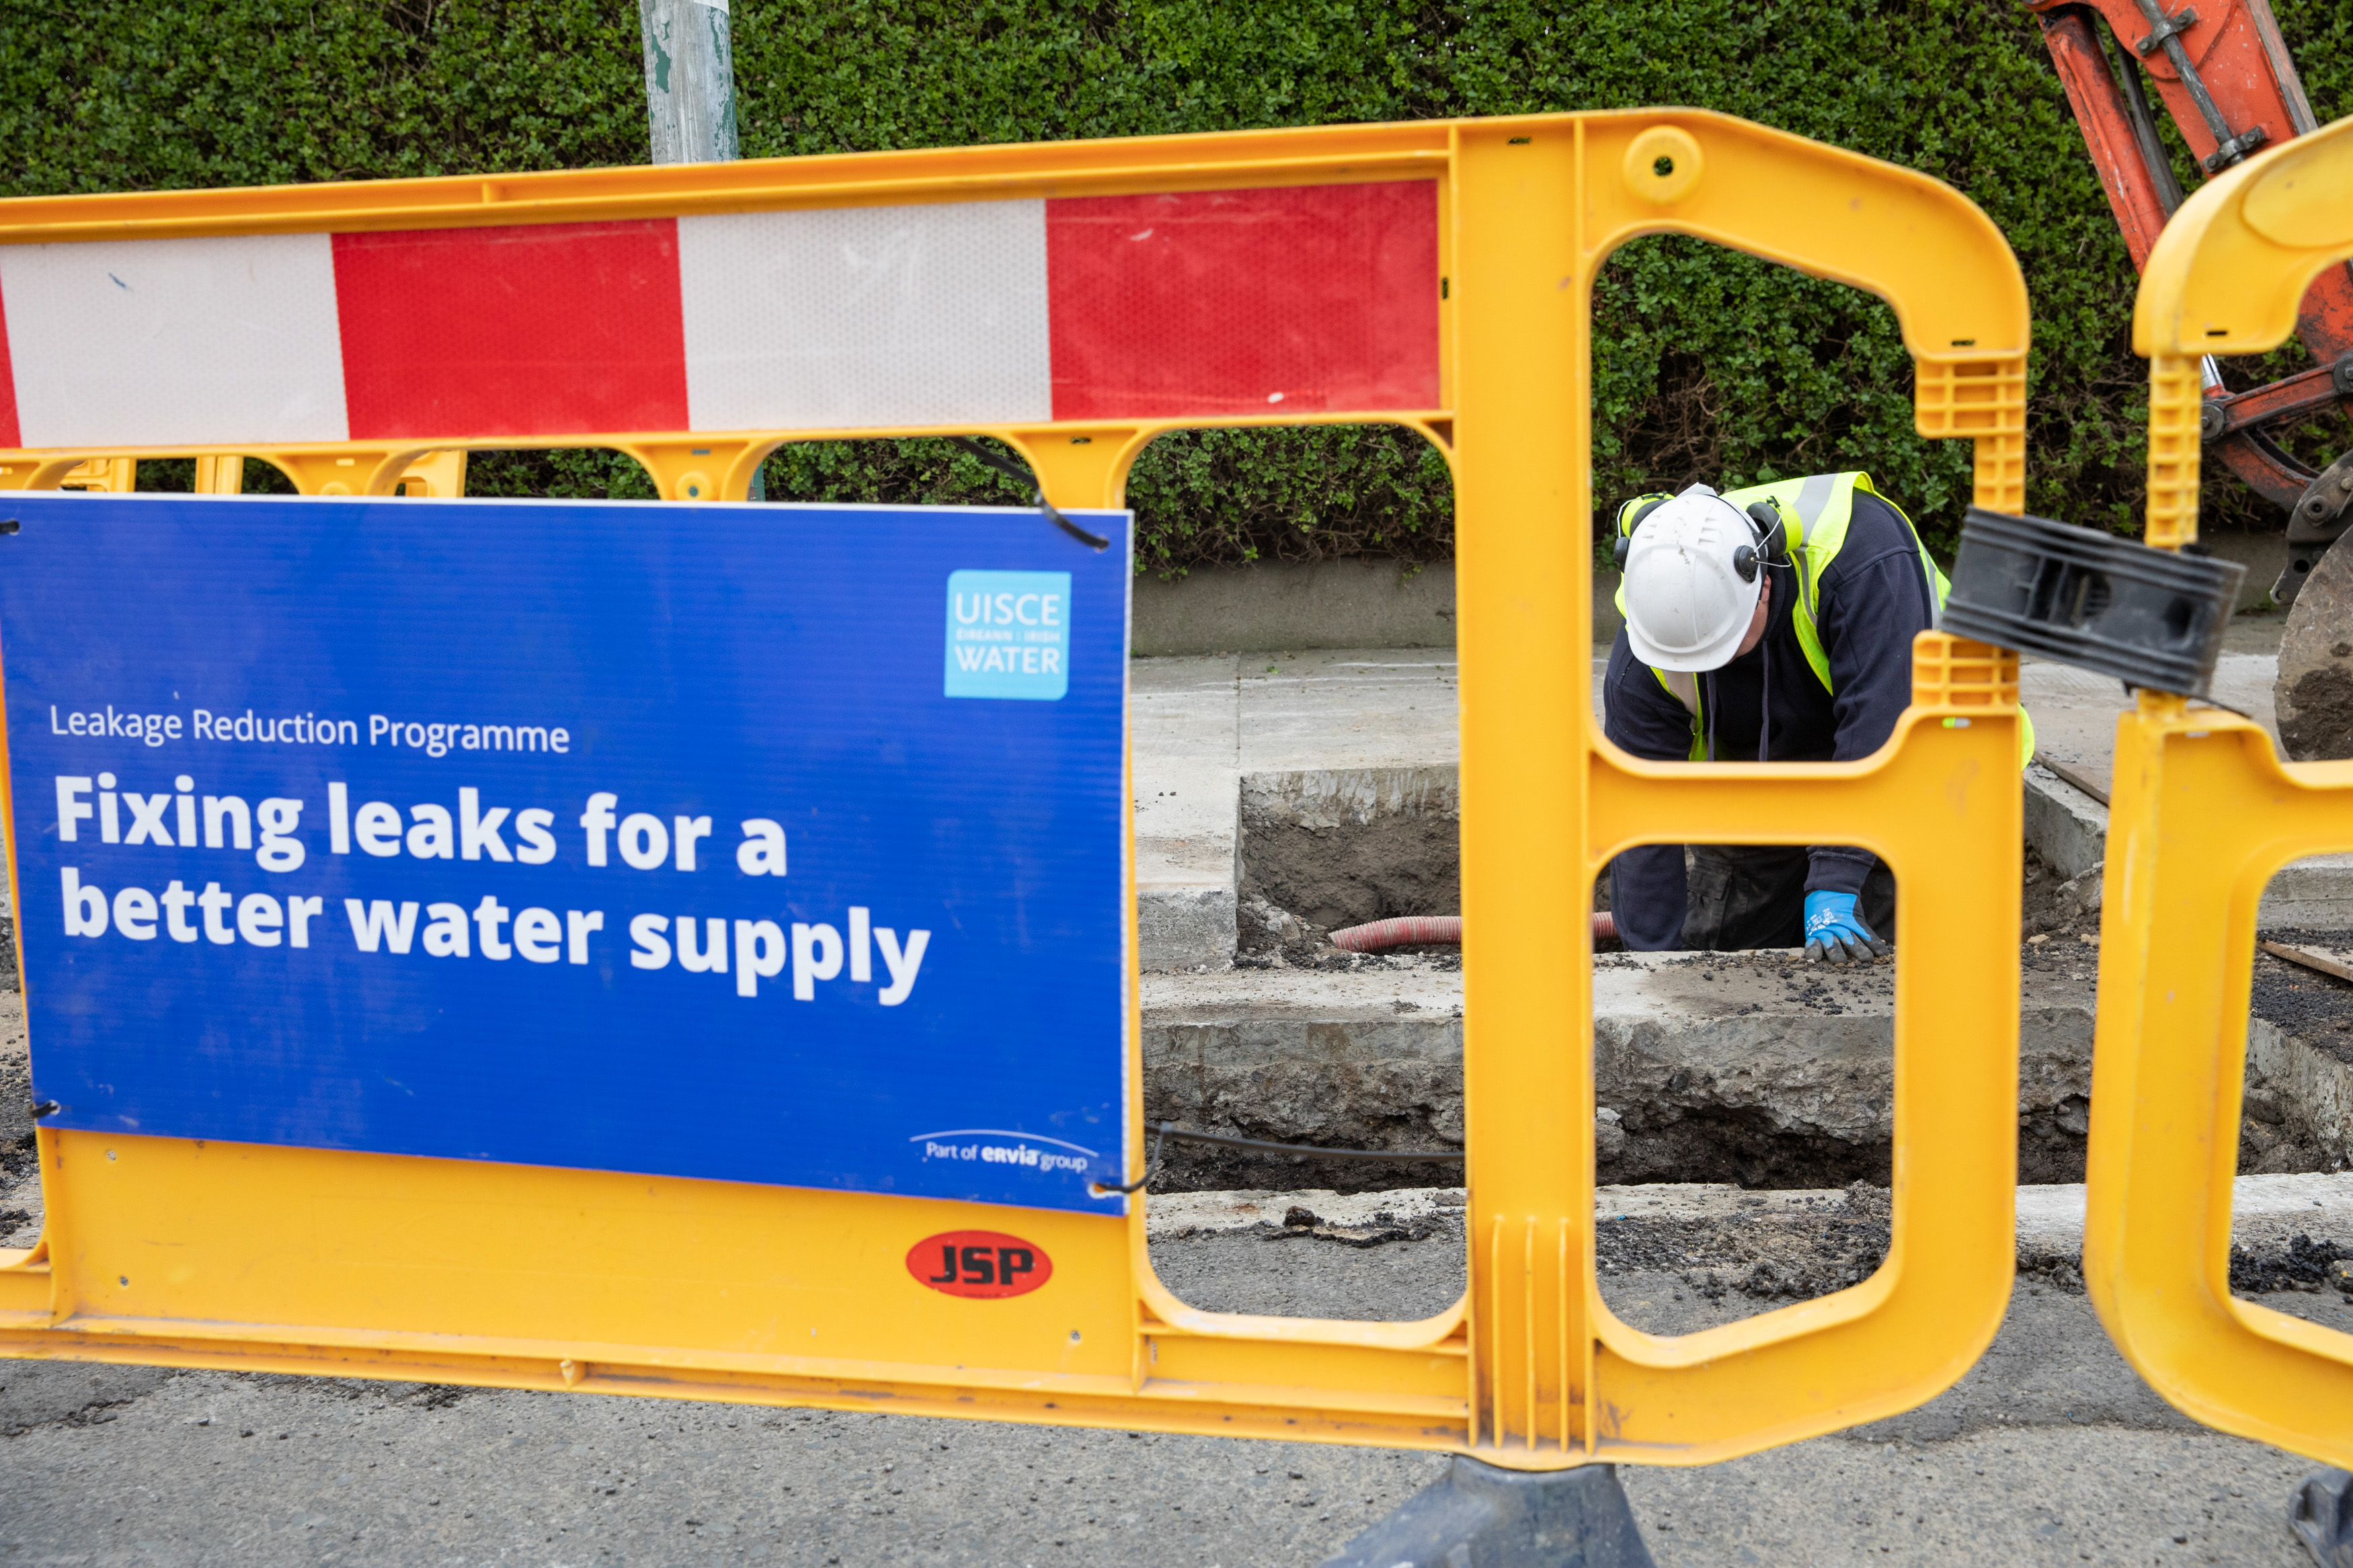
[512,331]
[1311,299]
[866,316]
[172,342]
[1206,305]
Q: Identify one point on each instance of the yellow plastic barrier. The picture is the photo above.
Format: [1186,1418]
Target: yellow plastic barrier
[307,1260]
[2203,813]
[435,474]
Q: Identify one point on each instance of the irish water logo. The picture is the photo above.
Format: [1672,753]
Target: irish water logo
[1008,635]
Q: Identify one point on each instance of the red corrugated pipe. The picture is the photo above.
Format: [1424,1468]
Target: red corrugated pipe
[1408,930]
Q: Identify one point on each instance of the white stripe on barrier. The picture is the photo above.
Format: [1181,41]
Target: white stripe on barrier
[871,316]
[175,341]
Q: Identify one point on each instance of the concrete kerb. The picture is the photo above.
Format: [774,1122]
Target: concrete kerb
[2074,722]
[2266,1210]
[2070,830]
[2067,827]
[1287,606]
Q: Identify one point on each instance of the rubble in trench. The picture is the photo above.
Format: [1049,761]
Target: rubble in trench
[1771,1247]
[1720,1101]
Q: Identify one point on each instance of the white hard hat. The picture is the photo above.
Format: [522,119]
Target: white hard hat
[1688,604]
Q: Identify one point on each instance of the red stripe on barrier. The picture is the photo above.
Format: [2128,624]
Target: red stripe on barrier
[1298,300]
[10,434]
[534,331]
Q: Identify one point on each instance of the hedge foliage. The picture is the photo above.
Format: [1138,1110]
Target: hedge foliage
[1707,364]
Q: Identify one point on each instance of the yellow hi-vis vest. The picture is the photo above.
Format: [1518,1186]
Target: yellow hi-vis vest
[1815,512]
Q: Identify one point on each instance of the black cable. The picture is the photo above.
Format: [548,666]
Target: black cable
[1168,1130]
[1016,471]
[1149,1166]
[1227,1140]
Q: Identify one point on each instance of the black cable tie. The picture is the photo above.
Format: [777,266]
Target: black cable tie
[9,525]
[45,1107]
[1149,1166]
[1013,470]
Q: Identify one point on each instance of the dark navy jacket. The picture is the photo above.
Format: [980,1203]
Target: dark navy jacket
[1874,600]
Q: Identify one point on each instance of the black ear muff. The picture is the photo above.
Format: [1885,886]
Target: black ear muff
[1620,549]
[1743,561]
[1772,537]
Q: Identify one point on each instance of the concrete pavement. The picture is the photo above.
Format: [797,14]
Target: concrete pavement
[1200,725]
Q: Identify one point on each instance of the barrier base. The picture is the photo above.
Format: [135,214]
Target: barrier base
[2320,1512]
[1477,1516]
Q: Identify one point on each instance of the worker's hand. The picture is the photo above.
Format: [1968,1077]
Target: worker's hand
[1836,932]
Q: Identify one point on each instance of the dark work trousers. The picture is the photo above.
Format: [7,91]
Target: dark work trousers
[1754,895]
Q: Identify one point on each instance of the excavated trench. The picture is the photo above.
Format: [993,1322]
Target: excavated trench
[1752,1069]
[1323,850]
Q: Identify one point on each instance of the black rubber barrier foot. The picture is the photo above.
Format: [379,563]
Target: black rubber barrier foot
[2321,1513]
[2114,606]
[1477,1516]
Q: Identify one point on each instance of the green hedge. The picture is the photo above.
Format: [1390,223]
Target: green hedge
[1707,364]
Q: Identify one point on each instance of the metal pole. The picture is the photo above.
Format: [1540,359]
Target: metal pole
[689,81]
[690,92]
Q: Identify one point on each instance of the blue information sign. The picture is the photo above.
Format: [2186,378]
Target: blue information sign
[772,844]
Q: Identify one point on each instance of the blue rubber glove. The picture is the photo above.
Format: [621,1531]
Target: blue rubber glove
[1836,932]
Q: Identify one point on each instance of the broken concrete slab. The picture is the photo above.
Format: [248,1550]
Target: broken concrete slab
[2315,894]
[1749,1068]
[1356,1060]
[1754,1068]
[2265,1211]
[1760,1068]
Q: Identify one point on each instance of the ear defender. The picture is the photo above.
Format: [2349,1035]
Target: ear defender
[1630,518]
[1772,546]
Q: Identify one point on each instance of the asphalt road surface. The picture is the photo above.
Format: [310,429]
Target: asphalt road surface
[2051,1451]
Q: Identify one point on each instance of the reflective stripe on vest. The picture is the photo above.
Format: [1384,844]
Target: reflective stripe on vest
[1817,512]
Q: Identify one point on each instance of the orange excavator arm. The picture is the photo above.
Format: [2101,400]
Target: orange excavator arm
[2222,69]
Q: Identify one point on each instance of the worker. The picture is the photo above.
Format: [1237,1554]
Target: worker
[1771,623]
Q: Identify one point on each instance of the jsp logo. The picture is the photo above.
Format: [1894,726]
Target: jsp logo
[982,1264]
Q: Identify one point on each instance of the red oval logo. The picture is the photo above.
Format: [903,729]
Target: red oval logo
[984,1263]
